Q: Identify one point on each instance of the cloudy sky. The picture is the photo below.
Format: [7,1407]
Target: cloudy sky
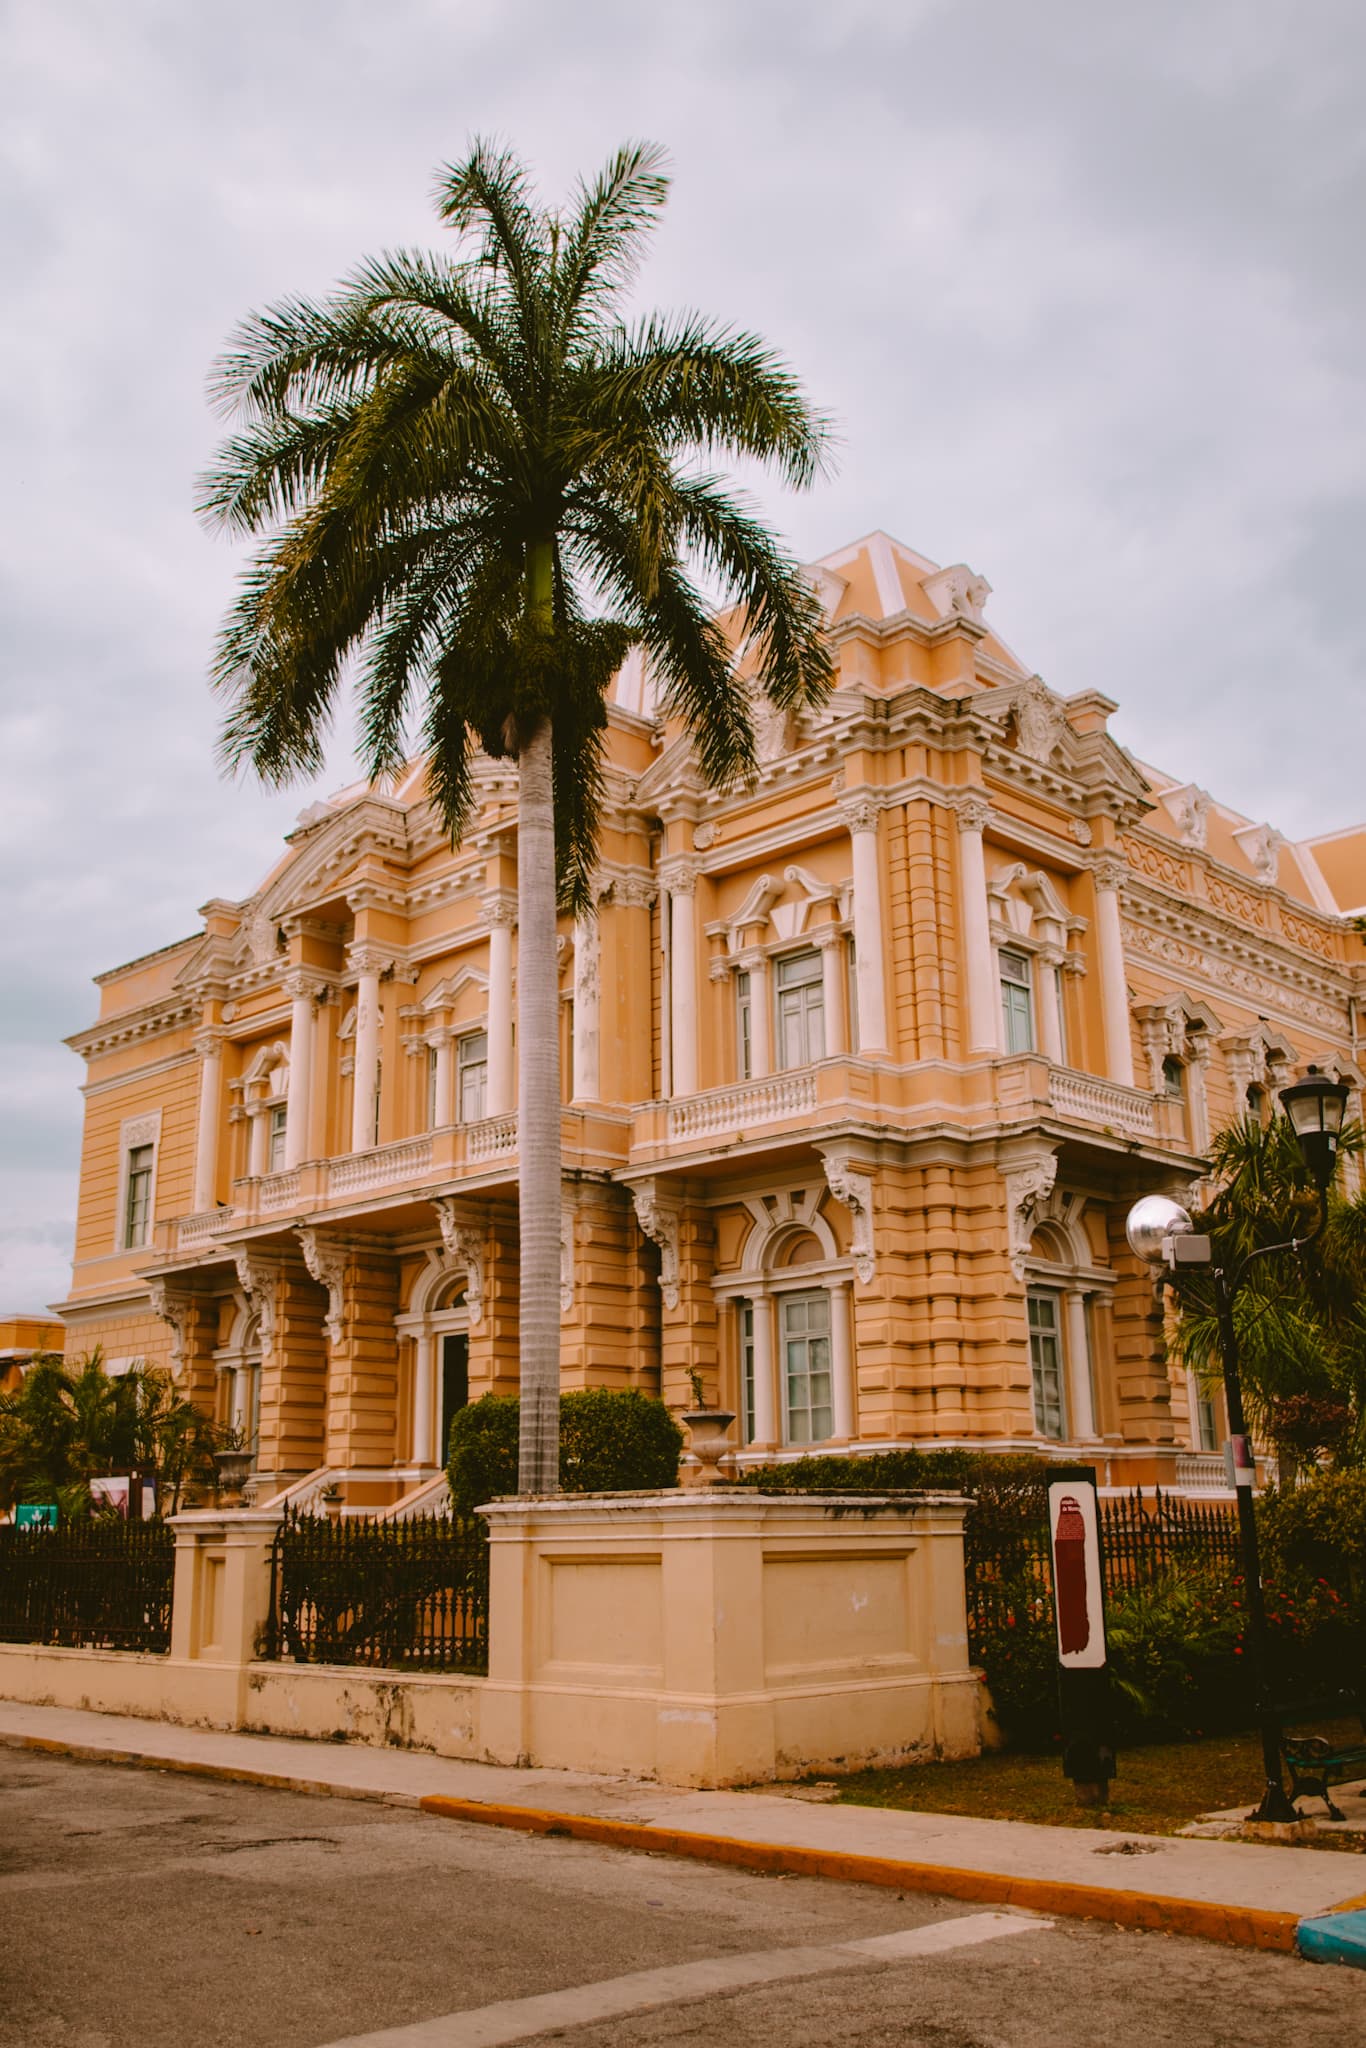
[1082,286]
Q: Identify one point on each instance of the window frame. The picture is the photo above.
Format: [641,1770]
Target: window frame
[1021,987]
[465,1069]
[788,1301]
[1036,1296]
[802,1004]
[136,1134]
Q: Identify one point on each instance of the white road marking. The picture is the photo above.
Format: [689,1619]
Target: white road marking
[521,2019]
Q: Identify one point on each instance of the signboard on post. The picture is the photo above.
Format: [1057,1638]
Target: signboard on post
[1074,1553]
[36,1514]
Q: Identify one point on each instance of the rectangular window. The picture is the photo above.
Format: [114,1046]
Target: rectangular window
[1206,1422]
[1060,998]
[746,1371]
[431,1088]
[1046,1363]
[1017,1003]
[806,1368]
[137,1200]
[744,1026]
[472,1076]
[801,1010]
[275,1137]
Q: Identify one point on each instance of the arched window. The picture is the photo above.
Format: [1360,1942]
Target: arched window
[792,1326]
[1065,1294]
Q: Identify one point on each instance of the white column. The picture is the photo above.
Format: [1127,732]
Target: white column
[1114,991]
[842,1362]
[760,1015]
[979,955]
[300,1096]
[587,1007]
[424,1420]
[365,1079]
[1050,1016]
[1080,1399]
[500,917]
[445,1079]
[681,882]
[765,1424]
[834,984]
[210,1049]
[259,1119]
[861,820]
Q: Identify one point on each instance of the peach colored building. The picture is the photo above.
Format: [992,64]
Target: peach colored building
[862,1069]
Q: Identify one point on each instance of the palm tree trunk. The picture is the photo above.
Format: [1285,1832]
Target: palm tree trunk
[538,1095]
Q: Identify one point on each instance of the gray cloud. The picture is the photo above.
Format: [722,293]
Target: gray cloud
[1080,285]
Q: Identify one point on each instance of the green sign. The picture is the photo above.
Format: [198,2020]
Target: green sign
[36,1514]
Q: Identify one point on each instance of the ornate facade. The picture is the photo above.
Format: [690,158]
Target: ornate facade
[862,1069]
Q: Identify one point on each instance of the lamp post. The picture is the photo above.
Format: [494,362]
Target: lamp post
[1161,1233]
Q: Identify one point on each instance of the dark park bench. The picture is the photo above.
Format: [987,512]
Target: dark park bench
[1316,1761]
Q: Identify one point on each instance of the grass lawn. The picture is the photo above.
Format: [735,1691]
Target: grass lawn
[1158,1790]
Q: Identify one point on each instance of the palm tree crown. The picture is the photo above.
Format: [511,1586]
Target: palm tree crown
[482,485]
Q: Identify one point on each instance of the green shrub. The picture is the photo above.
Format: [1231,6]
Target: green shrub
[1318,1530]
[610,1442]
[947,1471]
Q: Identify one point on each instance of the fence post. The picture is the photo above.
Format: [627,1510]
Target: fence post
[221,1607]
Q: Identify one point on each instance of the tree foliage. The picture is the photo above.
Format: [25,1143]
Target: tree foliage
[71,1422]
[409,443]
[1299,1316]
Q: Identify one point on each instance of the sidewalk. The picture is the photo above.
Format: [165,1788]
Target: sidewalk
[1240,1893]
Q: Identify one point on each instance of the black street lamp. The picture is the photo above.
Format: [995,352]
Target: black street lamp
[1161,1233]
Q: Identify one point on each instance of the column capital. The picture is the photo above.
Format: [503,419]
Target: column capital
[208,1042]
[679,877]
[301,986]
[499,908]
[753,960]
[825,936]
[859,814]
[1109,872]
[974,813]
[363,958]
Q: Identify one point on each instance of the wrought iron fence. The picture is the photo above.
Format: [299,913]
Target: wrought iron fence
[410,1595]
[96,1585]
[1008,1570]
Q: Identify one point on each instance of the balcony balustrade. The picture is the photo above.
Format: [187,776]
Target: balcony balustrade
[1086,1099]
[736,1109]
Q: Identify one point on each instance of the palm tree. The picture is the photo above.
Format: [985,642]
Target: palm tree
[1299,1318]
[483,486]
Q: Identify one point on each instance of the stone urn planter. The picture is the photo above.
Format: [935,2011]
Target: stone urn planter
[708,1442]
[233,1469]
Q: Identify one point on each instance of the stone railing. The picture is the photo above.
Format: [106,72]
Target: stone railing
[1088,1100]
[358,1172]
[278,1190]
[1201,1471]
[194,1231]
[492,1139]
[736,1109]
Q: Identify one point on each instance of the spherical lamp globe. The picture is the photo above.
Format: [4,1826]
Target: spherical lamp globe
[1151,1222]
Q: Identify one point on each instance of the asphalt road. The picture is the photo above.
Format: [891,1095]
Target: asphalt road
[141,1907]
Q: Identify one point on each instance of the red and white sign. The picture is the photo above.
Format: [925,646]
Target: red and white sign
[1078,1595]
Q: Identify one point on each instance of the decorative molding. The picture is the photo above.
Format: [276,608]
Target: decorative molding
[1028,1183]
[1262,844]
[1189,809]
[703,836]
[958,593]
[1040,721]
[463,1243]
[1080,830]
[855,1190]
[660,1221]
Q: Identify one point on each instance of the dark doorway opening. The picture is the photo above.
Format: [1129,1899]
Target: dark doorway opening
[455,1382]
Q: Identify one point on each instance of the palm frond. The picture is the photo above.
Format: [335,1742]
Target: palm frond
[612,216]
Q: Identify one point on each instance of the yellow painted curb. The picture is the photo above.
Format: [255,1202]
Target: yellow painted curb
[1238,1926]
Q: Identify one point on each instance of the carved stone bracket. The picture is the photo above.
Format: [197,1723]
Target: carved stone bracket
[660,1222]
[174,1305]
[259,1278]
[463,1244]
[1029,1183]
[325,1258]
[855,1190]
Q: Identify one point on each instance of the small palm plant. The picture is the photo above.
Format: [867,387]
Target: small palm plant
[483,486]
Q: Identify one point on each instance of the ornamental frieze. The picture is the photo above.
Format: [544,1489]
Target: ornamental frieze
[1155,861]
[1239,903]
[1226,974]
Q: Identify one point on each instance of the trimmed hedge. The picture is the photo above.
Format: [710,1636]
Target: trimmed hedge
[977,1473]
[610,1442]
